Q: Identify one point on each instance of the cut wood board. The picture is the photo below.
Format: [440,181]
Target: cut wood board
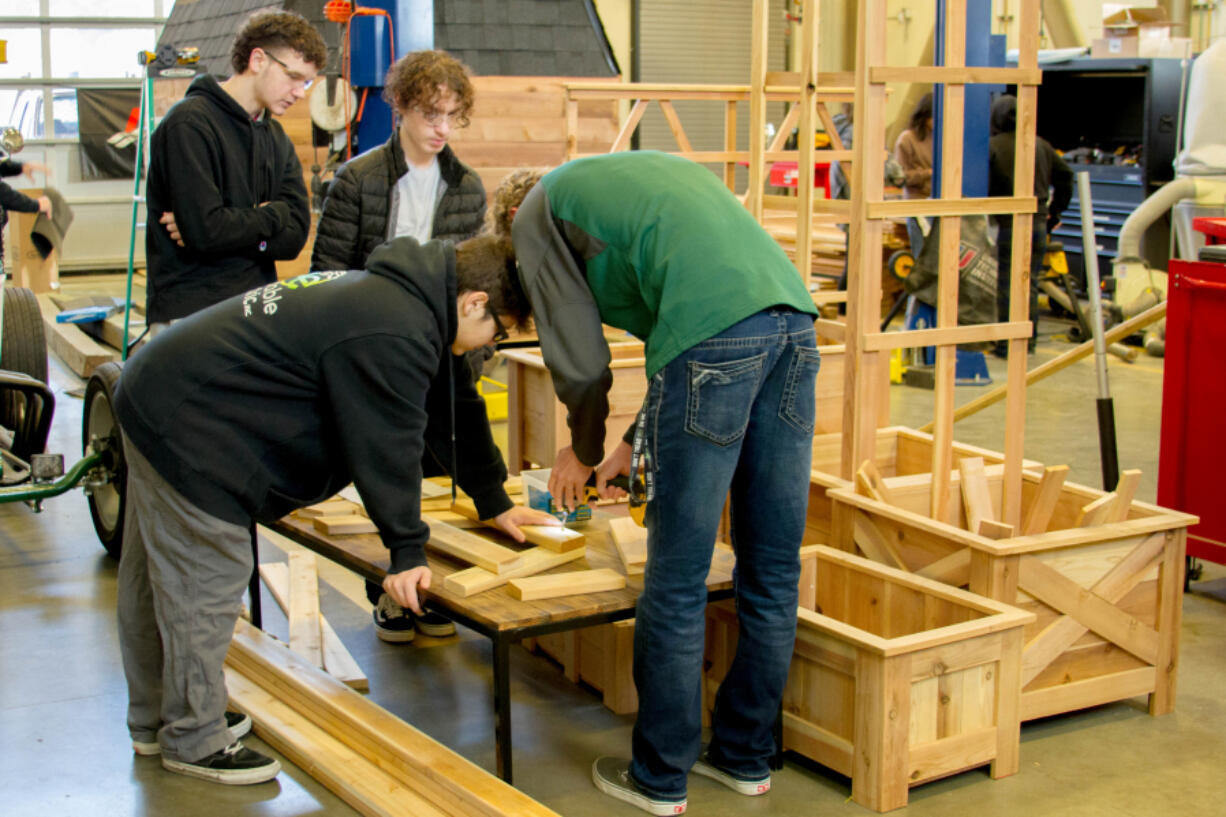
[303,613]
[535,560]
[576,583]
[1043,503]
[337,660]
[631,543]
[341,525]
[473,549]
[558,539]
[976,496]
[77,350]
[870,484]
[332,507]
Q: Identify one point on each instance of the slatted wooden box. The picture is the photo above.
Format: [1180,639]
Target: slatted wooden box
[895,680]
[601,657]
[1106,599]
[900,451]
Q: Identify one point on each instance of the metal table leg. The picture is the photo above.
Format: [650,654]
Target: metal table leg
[502,705]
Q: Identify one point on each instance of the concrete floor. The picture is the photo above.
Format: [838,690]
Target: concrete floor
[62,698]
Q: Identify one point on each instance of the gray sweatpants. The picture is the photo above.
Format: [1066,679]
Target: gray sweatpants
[181,580]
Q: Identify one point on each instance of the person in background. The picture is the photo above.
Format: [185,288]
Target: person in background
[412,185]
[15,200]
[913,151]
[1053,187]
[276,399]
[226,199]
[658,246]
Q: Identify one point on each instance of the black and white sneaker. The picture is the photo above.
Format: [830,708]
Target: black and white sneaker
[235,765]
[238,723]
[435,625]
[393,623]
[612,776]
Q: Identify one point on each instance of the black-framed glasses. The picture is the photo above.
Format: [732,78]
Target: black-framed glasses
[500,331]
[294,76]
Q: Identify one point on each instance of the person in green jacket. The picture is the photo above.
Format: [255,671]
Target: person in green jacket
[656,245]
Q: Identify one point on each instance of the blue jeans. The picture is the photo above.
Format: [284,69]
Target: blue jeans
[734,413]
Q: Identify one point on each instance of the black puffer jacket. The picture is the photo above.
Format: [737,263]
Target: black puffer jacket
[359,205]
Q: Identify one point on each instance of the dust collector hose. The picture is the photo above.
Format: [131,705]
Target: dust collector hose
[1149,211]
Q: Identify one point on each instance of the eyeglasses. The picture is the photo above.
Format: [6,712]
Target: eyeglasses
[500,331]
[294,76]
[435,117]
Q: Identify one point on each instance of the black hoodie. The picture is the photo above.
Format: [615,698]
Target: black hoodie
[213,166]
[1052,175]
[277,398]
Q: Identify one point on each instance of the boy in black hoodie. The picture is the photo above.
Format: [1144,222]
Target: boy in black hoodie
[273,400]
[226,198]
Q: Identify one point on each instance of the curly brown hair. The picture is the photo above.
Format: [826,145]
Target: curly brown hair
[508,196]
[486,263]
[278,29]
[414,79]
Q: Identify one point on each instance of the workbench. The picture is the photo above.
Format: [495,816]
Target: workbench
[494,613]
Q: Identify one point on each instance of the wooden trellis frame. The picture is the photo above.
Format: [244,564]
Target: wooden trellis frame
[868,348]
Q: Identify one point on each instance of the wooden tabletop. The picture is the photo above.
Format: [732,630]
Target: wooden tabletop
[495,609]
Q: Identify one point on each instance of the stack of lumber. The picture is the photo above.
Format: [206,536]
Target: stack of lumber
[375,762]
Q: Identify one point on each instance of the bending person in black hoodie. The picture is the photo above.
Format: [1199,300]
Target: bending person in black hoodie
[273,400]
[226,198]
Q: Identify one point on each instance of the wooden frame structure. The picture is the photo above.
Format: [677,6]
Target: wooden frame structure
[868,348]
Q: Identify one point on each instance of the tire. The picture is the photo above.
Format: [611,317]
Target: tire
[900,264]
[107,502]
[23,349]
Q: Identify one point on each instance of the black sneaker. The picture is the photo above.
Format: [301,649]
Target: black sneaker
[238,724]
[435,625]
[612,776]
[235,765]
[393,623]
[740,785]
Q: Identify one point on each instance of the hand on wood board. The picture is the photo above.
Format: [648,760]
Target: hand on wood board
[510,520]
[567,479]
[404,587]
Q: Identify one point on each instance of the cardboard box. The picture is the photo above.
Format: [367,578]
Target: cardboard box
[1138,32]
[25,266]
[1146,47]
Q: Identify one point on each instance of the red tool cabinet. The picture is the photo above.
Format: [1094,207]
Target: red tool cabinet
[1192,458]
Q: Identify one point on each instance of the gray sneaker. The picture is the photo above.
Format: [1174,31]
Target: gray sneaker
[740,785]
[238,724]
[235,765]
[612,776]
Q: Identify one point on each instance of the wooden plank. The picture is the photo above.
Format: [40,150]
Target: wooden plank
[77,350]
[915,338]
[303,608]
[870,484]
[875,545]
[558,539]
[976,497]
[343,771]
[953,569]
[1125,490]
[473,549]
[348,524]
[1055,700]
[951,207]
[883,717]
[534,560]
[992,529]
[454,785]
[574,583]
[630,540]
[331,507]
[1044,500]
[1096,512]
[338,662]
[955,75]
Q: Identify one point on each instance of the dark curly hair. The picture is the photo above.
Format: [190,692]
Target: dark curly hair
[486,263]
[414,79]
[508,196]
[278,29]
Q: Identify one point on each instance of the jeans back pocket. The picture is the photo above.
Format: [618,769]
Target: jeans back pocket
[721,397]
[799,405]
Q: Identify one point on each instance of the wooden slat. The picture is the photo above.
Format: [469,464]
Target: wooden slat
[557,539]
[875,545]
[305,637]
[534,560]
[576,583]
[976,498]
[473,549]
[622,142]
[348,524]
[630,540]
[955,75]
[1125,490]
[952,206]
[1044,500]
[1096,512]
[338,662]
[953,569]
[870,484]
[454,785]
[992,529]
[916,338]
[1062,698]
[332,507]
[674,124]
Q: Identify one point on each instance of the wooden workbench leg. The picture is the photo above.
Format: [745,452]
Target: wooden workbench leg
[502,706]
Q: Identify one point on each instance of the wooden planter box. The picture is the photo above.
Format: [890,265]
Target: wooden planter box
[601,657]
[1106,598]
[537,427]
[900,451]
[895,680]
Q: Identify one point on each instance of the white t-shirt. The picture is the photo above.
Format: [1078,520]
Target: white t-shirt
[416,197]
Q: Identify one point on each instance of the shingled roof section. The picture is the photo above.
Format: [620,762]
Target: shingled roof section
[210,25]
[525,37]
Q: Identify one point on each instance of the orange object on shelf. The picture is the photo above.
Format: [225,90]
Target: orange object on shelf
[338,11]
